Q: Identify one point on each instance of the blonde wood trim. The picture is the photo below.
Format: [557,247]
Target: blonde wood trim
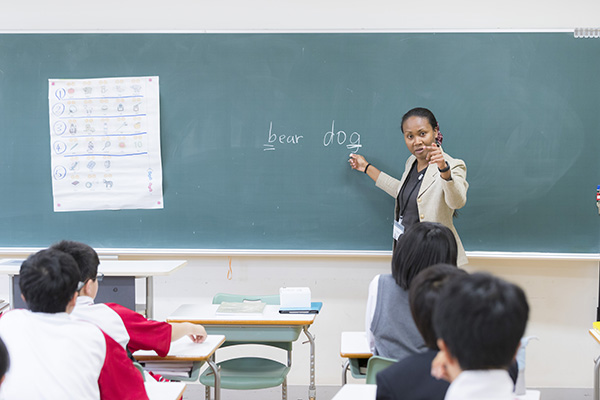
[240,322]
[180,358]
[595,334]
[356,355]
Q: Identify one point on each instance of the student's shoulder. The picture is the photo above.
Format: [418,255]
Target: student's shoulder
[86,328]
[409,366]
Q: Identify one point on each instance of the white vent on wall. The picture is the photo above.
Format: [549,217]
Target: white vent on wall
[587,32]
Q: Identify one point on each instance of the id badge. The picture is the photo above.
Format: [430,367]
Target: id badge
[398,229]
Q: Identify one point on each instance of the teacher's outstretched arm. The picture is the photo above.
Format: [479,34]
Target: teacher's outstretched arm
[359,163]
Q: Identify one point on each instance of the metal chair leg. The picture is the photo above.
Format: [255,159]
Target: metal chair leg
[284,389]
[345,371]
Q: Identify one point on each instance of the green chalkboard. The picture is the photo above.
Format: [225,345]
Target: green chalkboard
[250,162]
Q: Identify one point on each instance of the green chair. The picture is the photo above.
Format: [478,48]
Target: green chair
[355,368]
[138,366]
[249,373]
[375,365]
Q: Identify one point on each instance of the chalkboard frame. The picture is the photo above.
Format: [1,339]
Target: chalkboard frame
[584,236]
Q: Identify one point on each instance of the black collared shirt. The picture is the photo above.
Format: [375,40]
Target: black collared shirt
[406,202]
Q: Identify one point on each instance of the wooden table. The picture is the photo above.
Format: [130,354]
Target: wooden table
[164,390]
[119,275]
[184,350]
[353,346]
[252,327]
[356,392]
[369,392]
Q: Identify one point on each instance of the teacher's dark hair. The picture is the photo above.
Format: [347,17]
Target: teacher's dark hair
[420,112]
[423,245]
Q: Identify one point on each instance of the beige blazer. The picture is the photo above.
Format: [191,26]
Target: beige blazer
[437,199]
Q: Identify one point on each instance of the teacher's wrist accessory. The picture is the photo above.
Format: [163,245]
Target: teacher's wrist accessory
[445,169]
[367,167]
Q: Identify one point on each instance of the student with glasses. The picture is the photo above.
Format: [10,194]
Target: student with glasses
[129,328]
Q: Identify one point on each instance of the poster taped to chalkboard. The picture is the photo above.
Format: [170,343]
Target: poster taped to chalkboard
[105,143]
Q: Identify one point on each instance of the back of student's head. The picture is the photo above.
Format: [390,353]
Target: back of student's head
[48,280]
[4,360]
[424,244]
[85,256]
[424,292]
[481,319]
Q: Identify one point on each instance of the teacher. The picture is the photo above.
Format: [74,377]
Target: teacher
[433,186]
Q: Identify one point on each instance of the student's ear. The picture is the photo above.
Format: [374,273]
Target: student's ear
[23,297]
[87,289]
[71,304]
[442,346]
[516,351]
[452,366]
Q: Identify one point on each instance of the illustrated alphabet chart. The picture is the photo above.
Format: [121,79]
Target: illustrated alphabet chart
[105,143]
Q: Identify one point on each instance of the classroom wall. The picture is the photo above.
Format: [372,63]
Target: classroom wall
[562,297]
[562,294]
[297,14]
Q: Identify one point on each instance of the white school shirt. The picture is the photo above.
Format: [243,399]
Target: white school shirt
[52,356]
[371,305]
[102,316]
[494,384]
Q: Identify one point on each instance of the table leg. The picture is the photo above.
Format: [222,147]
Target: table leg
[11,292]
[345,371]
[149,297]
[312,389]
[215,369]
[596,378]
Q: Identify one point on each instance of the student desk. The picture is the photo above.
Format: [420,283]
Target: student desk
[356,392]
[186,350]
[251,327]
[164,390]
[353,346]
[118,285]
[596,336]
[369,392]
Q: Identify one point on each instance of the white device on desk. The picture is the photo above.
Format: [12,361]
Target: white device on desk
[294,297]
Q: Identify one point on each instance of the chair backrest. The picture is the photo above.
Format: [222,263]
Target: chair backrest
[268,299]
[139,367]
[375,365]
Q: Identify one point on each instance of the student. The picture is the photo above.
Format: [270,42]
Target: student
[479,320]
[4,361]
[129,328]
[54,356]
[410,378]
[391,331]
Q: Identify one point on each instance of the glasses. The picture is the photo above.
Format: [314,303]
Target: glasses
[99,278]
